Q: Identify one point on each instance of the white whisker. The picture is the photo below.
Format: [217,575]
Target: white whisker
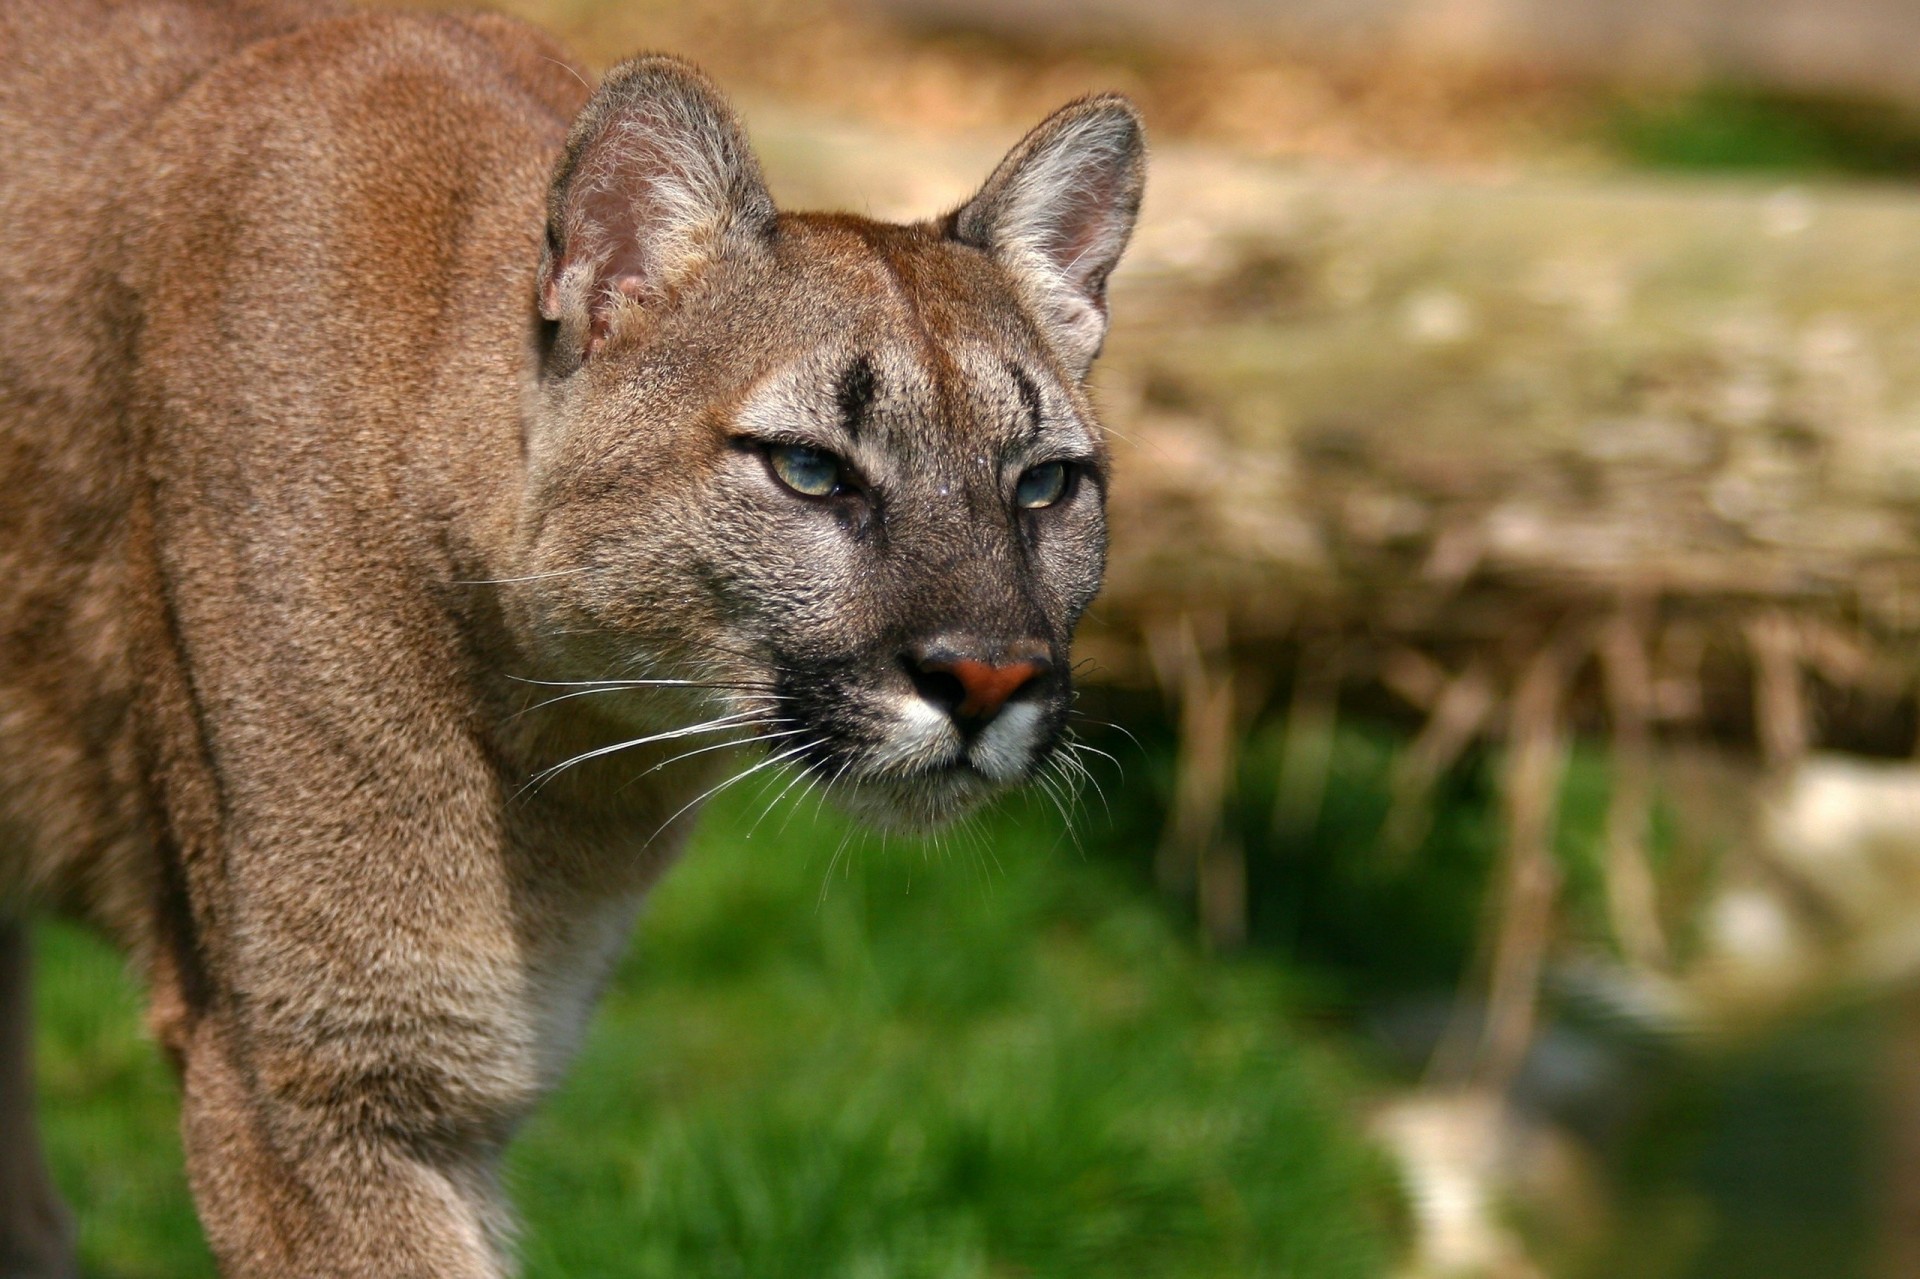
[530,577]
[1107,723]
[812,788]
[826,880]
[748,740]
[1070,759]
[714,725]
[639,683]
[765,812]
[1052,788]
[630,686]
[711,791]
[1073,740]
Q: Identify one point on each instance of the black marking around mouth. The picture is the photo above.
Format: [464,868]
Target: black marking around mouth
[812,697]
[855,393]
[841,714]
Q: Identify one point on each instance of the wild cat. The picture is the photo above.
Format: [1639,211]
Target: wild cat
[387,422]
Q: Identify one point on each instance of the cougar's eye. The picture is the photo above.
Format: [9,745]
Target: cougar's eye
[1042,486]
[808,472]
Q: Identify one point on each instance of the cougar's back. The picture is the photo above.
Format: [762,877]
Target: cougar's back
[81,82]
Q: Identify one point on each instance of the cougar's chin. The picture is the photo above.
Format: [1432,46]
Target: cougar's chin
[917,803]
[920,770]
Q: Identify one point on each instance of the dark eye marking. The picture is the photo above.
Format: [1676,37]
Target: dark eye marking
[1029,395]
[854,393]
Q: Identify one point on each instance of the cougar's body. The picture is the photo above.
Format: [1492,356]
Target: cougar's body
[371,394]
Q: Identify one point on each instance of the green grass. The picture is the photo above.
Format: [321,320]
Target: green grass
[1737,128]
[1000,1059]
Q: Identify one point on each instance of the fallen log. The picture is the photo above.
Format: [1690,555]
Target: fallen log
[1662,437]
[1446,413]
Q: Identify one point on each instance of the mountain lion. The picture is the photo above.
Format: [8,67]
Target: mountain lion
[419,472]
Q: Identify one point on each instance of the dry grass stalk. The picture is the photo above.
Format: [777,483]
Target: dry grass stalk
[1484,1052]
[1189,659]
[1536,764]
[1459,714]
[1633,906]
[1306,753]
[1779,693]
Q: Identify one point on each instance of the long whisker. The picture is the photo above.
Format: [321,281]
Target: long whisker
[748,740]
[638,683]
[1070,757]
[1121,729]
[622,688]
[530,577]
[798,777]
[1075,741]
[825,789]
[711,791]
[1051,790]
[812,781]
[826,880]
[1064,806]
[713,725]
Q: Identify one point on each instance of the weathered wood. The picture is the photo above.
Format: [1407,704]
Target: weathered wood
[1457,414]
[1847,46]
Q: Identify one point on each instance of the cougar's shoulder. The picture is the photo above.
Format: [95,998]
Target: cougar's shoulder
[81,85]
[239,239]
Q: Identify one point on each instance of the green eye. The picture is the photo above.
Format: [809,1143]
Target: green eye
[1044,485]
[808,472]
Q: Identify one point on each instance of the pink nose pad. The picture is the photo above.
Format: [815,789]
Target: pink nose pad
[986,686]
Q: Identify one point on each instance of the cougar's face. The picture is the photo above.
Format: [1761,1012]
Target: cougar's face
[840,475]
[855,493]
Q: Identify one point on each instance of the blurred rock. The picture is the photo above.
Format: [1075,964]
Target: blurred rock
[1470,1166]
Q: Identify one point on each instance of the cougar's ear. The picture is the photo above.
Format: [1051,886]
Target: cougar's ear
[657,180]
[1057,213]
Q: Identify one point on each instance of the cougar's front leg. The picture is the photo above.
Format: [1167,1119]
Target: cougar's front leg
[366,1054]
[36,1238]
[299,1176]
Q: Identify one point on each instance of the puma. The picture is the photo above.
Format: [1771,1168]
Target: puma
[421,474]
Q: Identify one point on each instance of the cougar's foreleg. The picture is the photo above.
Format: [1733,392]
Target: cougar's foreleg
[351,1079]
[292,1185]
[36,1237]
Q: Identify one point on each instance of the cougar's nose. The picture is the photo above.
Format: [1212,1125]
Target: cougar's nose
[973,680]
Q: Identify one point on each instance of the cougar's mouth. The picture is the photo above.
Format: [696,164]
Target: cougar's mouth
[904,759]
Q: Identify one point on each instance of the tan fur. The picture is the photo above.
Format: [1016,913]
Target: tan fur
[363,386]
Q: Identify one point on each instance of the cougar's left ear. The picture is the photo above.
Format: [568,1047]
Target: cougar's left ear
[1057,214]
[657,181]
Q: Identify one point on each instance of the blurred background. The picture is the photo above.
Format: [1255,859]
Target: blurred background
[1497,847]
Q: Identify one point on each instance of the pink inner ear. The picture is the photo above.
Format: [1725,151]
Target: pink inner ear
[600,309]
[607,228]
[657,178]
[1083,240]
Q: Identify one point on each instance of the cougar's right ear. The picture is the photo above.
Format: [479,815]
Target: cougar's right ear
[657,180]
[1057,214]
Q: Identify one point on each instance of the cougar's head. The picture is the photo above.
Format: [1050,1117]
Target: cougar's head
[843,474]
